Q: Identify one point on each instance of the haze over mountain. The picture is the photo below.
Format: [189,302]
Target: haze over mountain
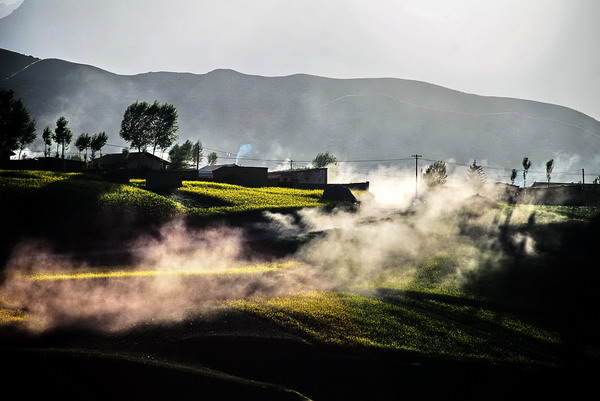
[297,116]
[543,50]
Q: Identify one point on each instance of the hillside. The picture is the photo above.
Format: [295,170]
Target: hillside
[300,115]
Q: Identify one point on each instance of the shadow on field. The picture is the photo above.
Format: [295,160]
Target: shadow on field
[237,357]
[69,217]
[558,279]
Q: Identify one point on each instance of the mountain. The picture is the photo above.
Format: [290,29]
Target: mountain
[300,115]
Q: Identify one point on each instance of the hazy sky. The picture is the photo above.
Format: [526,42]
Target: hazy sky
[544,50]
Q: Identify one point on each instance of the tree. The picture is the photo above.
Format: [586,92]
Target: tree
[136,125]
[212,158]
[62,134]
[435,174]
[26,137]
[324,159]
[17,128]
[513,176]
[146,125]
[476,175]
[549,168]
[47,136]
[97,143]
[83,143]
[526,165]
[181,155]
[197,154]
[163,125]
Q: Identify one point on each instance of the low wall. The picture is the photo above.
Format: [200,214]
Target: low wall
[575,195]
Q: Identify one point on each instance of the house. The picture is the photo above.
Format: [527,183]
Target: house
[298,178]
[234,174]
[130,161]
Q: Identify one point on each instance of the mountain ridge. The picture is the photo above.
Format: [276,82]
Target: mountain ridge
[299,115]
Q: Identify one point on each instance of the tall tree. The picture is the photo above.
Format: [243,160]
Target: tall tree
[136,125]
[476,175]
[26,137]
[16,125]
[526,165]
[163,125]
[62,134]
[181,155]
[97,143]
[83,143]
[324,159]
[212,158]
[47,136]
[549,168]
[197,154]
[435,174]
[513,176]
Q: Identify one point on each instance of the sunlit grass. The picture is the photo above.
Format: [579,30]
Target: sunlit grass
[349,319]
[320,316]
[12,316]
[96,273]
[48,195]
[547,214]
[225,198]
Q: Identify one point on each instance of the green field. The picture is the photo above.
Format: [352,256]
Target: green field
[509,303]
[67,190]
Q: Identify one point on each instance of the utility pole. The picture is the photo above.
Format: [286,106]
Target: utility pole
[416,172]
[291,164]
[583,176]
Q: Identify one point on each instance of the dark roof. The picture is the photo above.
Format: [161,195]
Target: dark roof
[122,158]
[213,167]
[298,170]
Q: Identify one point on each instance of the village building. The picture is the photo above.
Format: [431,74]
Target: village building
[234,174]
[298,178]
[130,161]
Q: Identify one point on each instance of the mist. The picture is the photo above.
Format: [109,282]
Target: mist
[185,271]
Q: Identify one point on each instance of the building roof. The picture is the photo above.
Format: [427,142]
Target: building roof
[213,167]
[122,158]
[298,170]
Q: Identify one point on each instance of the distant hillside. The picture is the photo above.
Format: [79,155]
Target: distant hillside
[299,115]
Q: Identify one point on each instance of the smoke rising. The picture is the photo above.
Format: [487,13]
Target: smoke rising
[244,150]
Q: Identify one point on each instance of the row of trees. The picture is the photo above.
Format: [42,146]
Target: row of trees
[18,130]
[436,173]
[526,166]
[188,154]
[62,137]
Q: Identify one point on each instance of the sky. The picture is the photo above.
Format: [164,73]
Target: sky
[544,50]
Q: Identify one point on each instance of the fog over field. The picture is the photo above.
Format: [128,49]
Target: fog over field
[186,271]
